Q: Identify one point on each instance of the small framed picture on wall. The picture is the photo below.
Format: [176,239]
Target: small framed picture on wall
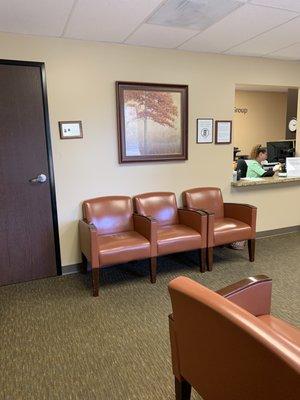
[205,130]
[70,129]
[223,132]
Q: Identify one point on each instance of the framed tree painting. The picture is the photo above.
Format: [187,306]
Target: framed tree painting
[152,121]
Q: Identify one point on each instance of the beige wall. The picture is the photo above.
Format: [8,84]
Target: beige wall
[264,122]
[80,79]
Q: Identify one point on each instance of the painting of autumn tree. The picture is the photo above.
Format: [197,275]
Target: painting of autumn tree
[152,122]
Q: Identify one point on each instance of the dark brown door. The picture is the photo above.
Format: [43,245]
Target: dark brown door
[28,248]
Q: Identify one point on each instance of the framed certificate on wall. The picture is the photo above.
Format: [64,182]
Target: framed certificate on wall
[205,130]
[223,132]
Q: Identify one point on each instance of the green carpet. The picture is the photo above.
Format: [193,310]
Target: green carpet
[58,342]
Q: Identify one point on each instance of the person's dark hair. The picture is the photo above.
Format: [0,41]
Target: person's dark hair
[256,151]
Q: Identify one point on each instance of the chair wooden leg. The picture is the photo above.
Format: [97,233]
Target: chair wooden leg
[251,249]
[182,390]
[95,281]
[153,268]
[210,258]
[202,259]
[83,267]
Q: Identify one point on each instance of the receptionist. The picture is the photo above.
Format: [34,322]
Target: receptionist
[258,156]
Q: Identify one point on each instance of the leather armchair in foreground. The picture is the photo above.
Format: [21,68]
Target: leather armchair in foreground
[178,229]
[111,234]
[227,222]
[227,346]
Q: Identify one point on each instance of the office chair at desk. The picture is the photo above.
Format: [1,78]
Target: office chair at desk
[241,168]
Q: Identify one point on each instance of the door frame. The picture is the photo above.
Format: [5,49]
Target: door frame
[41,67]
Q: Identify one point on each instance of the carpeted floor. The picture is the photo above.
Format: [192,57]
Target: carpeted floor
[58,342]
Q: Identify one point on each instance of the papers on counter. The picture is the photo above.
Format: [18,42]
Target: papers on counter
[251,179]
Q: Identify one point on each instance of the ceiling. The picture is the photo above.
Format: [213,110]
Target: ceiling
[261,28]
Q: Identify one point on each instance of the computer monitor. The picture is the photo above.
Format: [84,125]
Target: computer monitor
[279,151]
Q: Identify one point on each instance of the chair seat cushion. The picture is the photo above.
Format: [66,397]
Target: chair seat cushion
[228,230]
[122,247]
[176,238]
[288,332]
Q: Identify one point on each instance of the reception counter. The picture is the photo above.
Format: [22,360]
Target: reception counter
[274,180]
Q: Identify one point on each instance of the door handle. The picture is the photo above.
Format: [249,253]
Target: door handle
[41,178]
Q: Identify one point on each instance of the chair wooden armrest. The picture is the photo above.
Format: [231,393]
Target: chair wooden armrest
[147,227]
[242,212]
[88,242]
[253,294]
[195,219]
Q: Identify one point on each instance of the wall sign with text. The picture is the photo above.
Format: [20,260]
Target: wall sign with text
[223,132]
[205,130]
[70,129]
[239,110]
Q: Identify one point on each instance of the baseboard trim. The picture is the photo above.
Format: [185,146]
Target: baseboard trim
[75,268]
[278,232]
[71,269]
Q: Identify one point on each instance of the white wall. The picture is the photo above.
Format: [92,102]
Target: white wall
[81,78]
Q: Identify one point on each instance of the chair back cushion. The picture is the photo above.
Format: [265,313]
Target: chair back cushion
[110,214]
[225,352]
[160,205]
[206,198]
[242,168]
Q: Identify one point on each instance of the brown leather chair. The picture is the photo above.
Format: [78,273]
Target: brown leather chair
[178,229]
[111,234]
[227,346]
[227,222]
